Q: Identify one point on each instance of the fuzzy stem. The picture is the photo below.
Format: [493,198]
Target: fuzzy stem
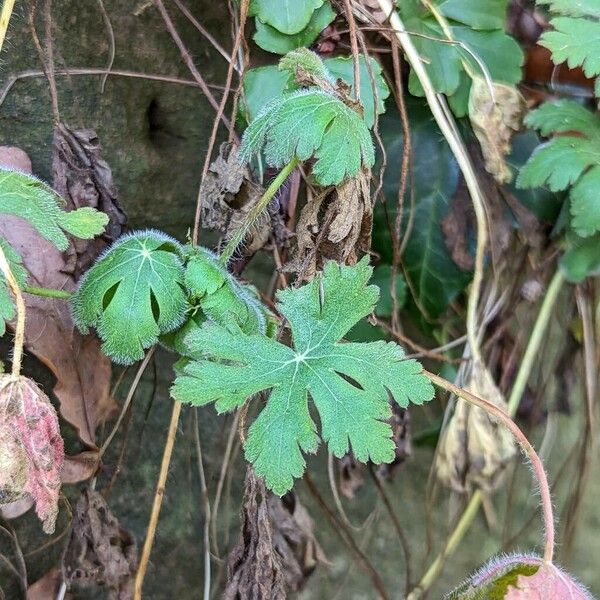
[7,9]
[20,328]
[241,232]
[47,292]
[470,512]
[158,497]
[448,128]
[528,449]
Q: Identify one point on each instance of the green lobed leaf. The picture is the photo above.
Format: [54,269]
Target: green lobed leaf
[306,124]
[133,294]
[579,8]
[264,84]
[349,383]
[272,40]
[581,258]
[24,196]
[7,306]
[286,16]
[561,116]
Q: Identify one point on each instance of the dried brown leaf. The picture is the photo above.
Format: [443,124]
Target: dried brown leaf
[31,448]
[254,567]
[351,477]
[99,552]
[47,587]
[83,178]
[494,120]
[400,422]
[475,449]
[294,539]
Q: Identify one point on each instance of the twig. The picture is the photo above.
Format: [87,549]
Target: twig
[187,59]
[111,44]
[354,46]
[157,502]
[20,328]
[7,9]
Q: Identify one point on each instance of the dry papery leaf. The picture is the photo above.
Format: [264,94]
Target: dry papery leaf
[494,119]
[401,434]
[294,539]
[334,225]
[227,196]
[83,178]
[82,372]
[474,449]
[31,448]
[47,587]
[351,476]
[99,552]
[254,568]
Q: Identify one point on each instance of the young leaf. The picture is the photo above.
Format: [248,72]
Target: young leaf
[286,16]
[572,159]
[25,196]
[349,383]
[7,308]
[311,123]
[272,40]
[133,294]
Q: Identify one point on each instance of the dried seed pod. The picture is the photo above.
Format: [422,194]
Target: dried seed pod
[494,120]
[31,448]
[474,449]
[520,577]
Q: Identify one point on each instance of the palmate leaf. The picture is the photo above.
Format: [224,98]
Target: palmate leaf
[349,383]
[311,123]
[7,307]
[571,159]
[575,37]
[24,196]
[133,294]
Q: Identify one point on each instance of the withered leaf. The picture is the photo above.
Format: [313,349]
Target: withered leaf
[254,567]
[400,422]
[294,539]
[475,449]
[351,477]
[31,448]
[99,552]
[83,178]
[494,120]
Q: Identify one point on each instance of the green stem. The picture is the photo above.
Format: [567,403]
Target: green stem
[47,292]
[241,232]
[533,346]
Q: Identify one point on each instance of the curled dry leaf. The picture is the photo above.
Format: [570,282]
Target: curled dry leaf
[475,449]
[294,539]
[228,194]
[254,567]
[494,120]
[400,422]
[83,178]
[99,552]
[351,477]
[31,448]
[520,577]
[82,372]
[334,226]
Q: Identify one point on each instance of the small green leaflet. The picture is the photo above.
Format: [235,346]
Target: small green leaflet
[7,307]
[311,123]
[286,16]
[133,294]
[272,40]
[264,84]
[571,159]
[349,383]
[479,25]
[24,196]
[575,38]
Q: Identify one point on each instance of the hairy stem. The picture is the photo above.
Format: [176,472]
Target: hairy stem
[531,351]
[47,292]
[447,126]
[256,211]
[7,9]
[20,328]
[158,498]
